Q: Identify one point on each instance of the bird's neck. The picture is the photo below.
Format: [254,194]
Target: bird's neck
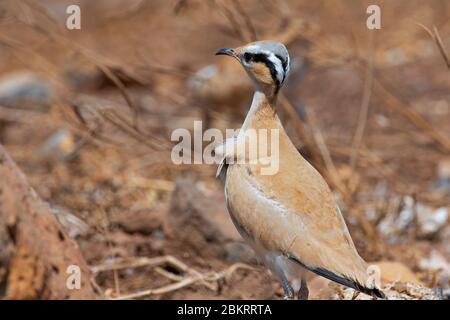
[262,111]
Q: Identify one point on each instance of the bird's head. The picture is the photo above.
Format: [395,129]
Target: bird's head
[266,62]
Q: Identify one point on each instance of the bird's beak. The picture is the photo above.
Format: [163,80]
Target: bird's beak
[226,51]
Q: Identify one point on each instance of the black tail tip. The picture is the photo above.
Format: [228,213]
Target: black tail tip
[374,292]
[378,293]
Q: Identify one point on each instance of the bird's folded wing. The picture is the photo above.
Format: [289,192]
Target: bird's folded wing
[294,211]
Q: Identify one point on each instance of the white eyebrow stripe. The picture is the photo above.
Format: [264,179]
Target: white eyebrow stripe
[278,66]
[253,48]
[288,65]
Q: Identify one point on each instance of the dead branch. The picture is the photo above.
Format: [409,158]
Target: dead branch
[230,16]
[119,84]
[395,104]
[437,39]
[248,22]
[300,128]
[37,251]
[192,276]
[392,101]
[364,110]
[326,156]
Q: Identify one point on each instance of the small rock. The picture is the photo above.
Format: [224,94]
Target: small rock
[435,262]
[59,146]
[443,175]
[440,267]
[239,252]
[430,221]
[202,75]
[409,291]
[144,221]
[395,224]
[395,56]
[81,79]
[393,291]
[392,271]
[73,225]
[25,89]
[399,287]
[382,121]
[199,218]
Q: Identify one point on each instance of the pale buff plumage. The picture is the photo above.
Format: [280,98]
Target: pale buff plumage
[290,217]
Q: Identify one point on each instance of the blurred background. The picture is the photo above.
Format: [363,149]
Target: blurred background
[87,116]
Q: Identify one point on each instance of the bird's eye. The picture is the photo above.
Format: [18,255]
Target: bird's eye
[247,57]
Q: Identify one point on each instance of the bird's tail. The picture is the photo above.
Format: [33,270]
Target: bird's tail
[373,290]
[369,288]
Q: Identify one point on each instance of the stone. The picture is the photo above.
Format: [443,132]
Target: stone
[142,221]
[430,221]
[25,89]
[443,175]
[427,221]
[392,271]
[59,146]
[437,264]
[198,218]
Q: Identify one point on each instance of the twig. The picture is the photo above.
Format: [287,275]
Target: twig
[364,109]
[107,233]
[119,84]
[168,275]
[171,287]
[300,129]
[395,104]
[371,158]
[184,282]
[437,38]
[108,115]
[24,53]
[181,281]
[135,263]
[440,45]
[325,153]
[248,22]
[87,53]
[229,15]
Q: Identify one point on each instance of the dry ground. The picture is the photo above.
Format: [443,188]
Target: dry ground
[133,202]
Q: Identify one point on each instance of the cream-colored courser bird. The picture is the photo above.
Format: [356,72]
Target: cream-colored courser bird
[289,217]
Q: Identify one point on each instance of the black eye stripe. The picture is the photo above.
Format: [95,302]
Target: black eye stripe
[248,56]
[283,62]
[261,57]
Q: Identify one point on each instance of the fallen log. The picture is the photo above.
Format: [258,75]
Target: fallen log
[37,259]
